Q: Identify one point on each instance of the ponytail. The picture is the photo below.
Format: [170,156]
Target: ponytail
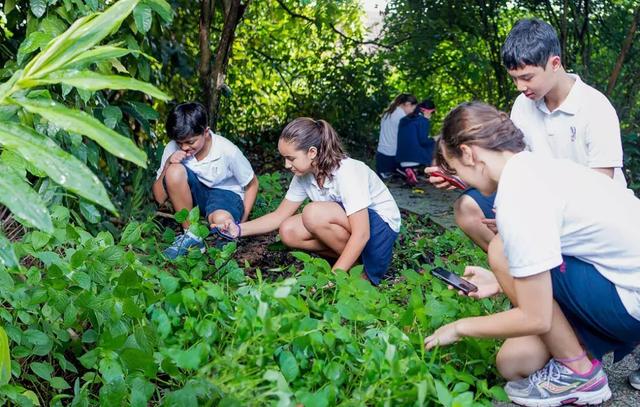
[306,133]
[400,99]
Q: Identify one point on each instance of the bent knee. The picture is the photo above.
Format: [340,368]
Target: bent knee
[288,233]
[467,212]
[313,216]
[176,173]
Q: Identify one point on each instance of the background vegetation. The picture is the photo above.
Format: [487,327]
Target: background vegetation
[93,315]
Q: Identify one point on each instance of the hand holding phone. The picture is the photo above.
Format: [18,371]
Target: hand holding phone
[456,182]
[453,280]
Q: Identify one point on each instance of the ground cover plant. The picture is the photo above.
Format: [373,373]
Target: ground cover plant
[97,319]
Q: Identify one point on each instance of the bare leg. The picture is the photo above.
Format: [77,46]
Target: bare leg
[468,217]
[328,223]
[294,234]
[560,342]
[178,189]
[520,357]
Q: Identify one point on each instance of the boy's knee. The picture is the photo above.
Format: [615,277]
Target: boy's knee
[467,212]
[176,173]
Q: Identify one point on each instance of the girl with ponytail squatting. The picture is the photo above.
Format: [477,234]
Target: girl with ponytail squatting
[570,262]
[351,215]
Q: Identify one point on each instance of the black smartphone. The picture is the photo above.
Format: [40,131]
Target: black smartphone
[453,280]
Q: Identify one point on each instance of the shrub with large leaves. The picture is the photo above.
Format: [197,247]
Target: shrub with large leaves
[65,61]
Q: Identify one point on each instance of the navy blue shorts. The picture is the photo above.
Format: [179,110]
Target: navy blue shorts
[385,163]
[377,253]
[484,202]
[209,200]
[592,306]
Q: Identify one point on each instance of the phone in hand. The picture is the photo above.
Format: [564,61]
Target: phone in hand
[453,280]
[455,181]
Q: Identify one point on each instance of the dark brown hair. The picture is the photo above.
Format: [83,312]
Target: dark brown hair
[477,123]
[400,99]
[305,133]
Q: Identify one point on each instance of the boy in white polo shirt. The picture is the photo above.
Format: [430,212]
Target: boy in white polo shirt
[560,117]
[201,168]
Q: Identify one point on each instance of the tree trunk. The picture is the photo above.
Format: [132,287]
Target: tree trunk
[207,8]
[234,10]
[626,46]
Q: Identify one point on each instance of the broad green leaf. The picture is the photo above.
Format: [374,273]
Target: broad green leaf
[43,370]
[83,34]
[90,212]
[94,81]
[5,358]
[8,256]
[62,167]
[111,116]
[25,203]
[34,41]
[97,54]
[82,123]
[38,7]
[141,392]
[52,25]
[288,366]
[59,383]
[131,234]
[162,8]
[143,17]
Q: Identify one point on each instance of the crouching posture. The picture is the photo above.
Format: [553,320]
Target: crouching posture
[351,215]
[201,168]
[567,256]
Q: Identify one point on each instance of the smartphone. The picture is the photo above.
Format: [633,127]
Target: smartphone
[456,182]
[453,280]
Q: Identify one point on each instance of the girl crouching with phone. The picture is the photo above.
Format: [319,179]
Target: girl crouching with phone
[571,237]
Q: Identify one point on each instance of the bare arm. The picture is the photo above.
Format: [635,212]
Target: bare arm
[266,223]
[606,171]
[532,316]
[250,193]
[359,222]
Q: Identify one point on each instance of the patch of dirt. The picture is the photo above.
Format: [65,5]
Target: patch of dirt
[265,253]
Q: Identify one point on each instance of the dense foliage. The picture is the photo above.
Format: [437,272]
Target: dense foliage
[93,315]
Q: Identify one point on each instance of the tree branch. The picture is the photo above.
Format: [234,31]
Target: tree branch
[340,33]
[626,46]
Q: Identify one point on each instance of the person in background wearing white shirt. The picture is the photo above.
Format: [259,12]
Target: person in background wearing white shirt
[560,116]
[572,271]
[401,106]
[351,215]
[201,168]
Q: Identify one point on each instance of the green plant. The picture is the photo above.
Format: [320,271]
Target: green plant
[64,61]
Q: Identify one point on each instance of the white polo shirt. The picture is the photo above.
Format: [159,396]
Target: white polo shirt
[582,213]
[355,186]
[388,142]
[584,128]
[225,166]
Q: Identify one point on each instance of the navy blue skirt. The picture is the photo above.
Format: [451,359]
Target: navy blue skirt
[592,306]
[377,253]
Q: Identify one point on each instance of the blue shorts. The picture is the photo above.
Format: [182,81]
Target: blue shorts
[377,253]
[385,163]
[209,200]
[592,306]
[484,202]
